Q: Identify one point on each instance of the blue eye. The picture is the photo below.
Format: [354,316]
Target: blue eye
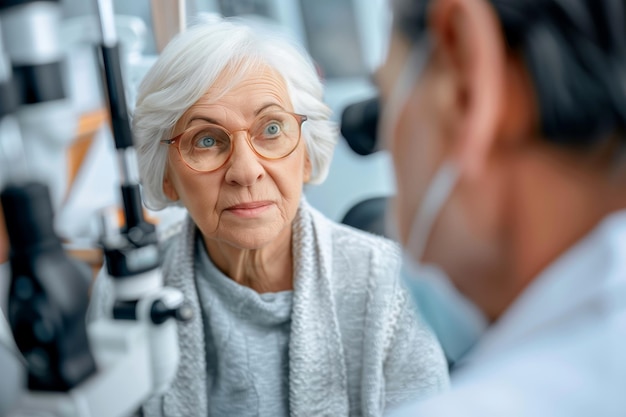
[272,129]
[205,142]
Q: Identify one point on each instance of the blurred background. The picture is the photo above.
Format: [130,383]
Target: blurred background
[346,38]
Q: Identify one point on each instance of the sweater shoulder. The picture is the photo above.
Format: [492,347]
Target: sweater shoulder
[363,263]
[358,242]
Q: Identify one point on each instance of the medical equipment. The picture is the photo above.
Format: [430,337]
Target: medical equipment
[359,125]
[111,366]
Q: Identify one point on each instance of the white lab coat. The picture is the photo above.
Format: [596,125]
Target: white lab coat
[559,350]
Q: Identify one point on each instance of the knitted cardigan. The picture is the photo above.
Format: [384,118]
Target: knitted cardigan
[356,346]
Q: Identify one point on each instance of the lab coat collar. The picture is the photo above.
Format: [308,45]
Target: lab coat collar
[591,274]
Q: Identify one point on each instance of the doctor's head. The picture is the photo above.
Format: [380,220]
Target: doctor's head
[505,120]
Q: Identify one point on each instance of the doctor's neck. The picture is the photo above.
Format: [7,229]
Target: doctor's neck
[553,199]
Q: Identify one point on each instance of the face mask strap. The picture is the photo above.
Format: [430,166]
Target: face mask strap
[446,177]
[437,194]
[455,320]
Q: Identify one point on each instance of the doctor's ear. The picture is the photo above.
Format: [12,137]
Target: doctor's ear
[470,55]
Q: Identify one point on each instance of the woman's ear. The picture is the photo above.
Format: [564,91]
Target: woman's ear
[307,168]
[470,43]
[168,187]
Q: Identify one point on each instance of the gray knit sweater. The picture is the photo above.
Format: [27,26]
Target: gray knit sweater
[356,346]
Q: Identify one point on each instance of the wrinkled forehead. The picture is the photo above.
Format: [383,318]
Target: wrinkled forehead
[245,84]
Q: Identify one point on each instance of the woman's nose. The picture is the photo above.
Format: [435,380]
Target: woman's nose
[244,167]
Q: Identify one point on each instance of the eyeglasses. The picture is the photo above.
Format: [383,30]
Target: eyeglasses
[207,147]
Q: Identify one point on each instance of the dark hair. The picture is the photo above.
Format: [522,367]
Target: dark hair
[575,52]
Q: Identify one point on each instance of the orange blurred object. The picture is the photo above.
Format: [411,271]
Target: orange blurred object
[88,126]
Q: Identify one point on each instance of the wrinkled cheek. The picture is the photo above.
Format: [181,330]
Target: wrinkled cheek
[203,213]
[213,223]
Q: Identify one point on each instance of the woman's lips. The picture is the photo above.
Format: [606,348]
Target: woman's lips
[251,209]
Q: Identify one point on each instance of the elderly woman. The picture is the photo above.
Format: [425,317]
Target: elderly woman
[296,315]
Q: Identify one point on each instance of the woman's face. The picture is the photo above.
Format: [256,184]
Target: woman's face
[249,201]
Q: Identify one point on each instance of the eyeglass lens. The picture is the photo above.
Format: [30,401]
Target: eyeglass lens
[272,135]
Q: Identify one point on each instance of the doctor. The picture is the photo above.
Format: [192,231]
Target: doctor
[506,121]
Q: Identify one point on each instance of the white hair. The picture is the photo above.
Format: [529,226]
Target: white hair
[192,62]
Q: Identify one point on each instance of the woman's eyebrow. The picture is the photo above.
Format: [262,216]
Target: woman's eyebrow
[208,119]
[265,107]
[203,118]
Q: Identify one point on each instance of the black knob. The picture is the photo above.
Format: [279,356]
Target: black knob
[160,312]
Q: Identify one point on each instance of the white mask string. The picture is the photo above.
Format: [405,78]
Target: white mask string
[437,193]
[446,177]
[456,321]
